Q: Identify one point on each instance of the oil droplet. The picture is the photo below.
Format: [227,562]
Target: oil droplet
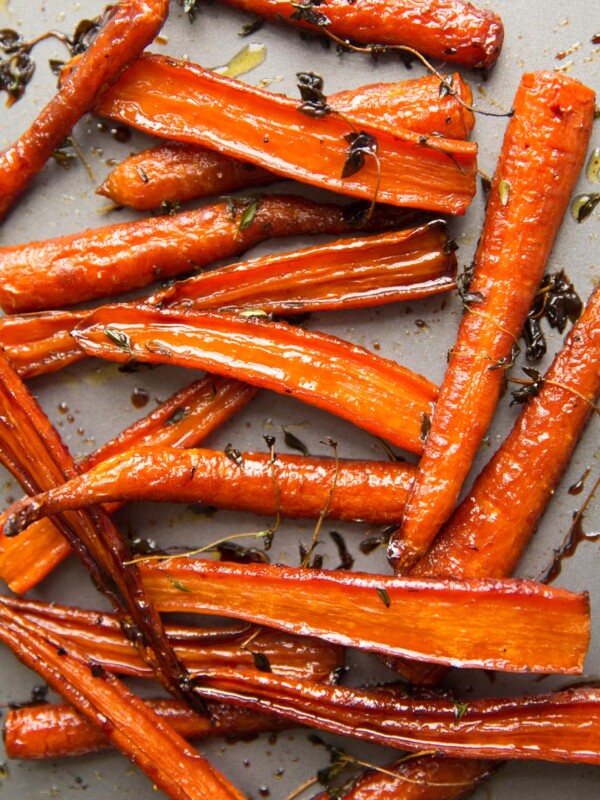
[264,791]
[63,408]
[577,487]
[583,206]
[70,418]
[247,59]
[593,166]
[139,397]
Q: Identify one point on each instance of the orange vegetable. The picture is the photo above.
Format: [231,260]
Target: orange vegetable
[546,137]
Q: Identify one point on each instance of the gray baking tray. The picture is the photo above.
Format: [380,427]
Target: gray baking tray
[92,402]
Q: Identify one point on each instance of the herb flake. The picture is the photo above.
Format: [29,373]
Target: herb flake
[384,597]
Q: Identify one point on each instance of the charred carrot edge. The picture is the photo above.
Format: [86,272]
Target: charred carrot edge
[356,273]
[130,26]
[182,101]
[126,721]
[116,258]
[100,636]
[56,730]
[176,172]
[452,30]
[32,450]
[183,420]
[372,392]
[547,136]
[290,485]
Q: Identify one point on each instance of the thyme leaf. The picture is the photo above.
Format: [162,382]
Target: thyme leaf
[307,12]
[294,442]
[234,455]
[251,27]
[178,585]
[310,86]
[384,596]
[190,8]
[528,389]
[176,416]
[460,709]
[261,662]
[360,145]
[122,340]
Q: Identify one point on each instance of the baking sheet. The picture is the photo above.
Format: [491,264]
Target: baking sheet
[92,401]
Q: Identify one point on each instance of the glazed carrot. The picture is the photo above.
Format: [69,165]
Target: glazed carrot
[370,391]
[290,485]
[176,172]
[452,30]
[546,137]
[129,724]
[100,636]
[130,26]
[183,420]
[356,273]
[56,731]
[116,258]
[181,101]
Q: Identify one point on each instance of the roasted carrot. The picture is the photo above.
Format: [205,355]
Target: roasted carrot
[370,391]
[176,172]
[130,26]
[290,485]
[53,731]
[543,151]
[100,636]
[356,273]
[452,30]
[116,258]
[130,725]
[183,420]
[181,101]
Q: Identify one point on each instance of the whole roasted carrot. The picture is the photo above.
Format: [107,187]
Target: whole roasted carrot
[176,171]
[452,30]
[372,392]
[183,420]
[181,101]
[116,258]
[130,26]
[542,154]
[129,724]
[290,485]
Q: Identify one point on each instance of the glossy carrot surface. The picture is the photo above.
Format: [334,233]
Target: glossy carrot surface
[182,101]
[547,136]
[452,30]
[130,26]
[372,392]
[102,262]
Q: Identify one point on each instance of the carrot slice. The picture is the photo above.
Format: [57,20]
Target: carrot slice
[183,421]
[372,392]
[176,171]
[452,30]
[182,101]
[546,137]
[116,258]
[130,26]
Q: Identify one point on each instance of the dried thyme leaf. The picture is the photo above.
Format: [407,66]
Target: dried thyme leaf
[361,144]
[178,585]
[384,596]
[294,442]
[261,662]
[234,455]
[122,340]
[177,415]
[307,12]
[310,85]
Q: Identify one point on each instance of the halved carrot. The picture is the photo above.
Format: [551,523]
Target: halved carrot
[105,261]
[543,151]
[372,392]
[183,420]
[452,30]
[181,101]
[131,25]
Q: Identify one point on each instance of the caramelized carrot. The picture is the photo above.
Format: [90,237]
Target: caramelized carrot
[370,391]
[176,171]
[290,485]
[543,151]
[183,420]
[56,731]
[128,723]
[116,258]
[181,101]
[452,30]
[131,25]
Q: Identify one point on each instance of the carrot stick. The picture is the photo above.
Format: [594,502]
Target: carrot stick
[370,391]
[451,30]
[181,101]
[183,420]
[176,171]
[128,723]
[131,26]
[56,731]
[116,258]
[547,137]
[290,485]
[356,273]
[100,636]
